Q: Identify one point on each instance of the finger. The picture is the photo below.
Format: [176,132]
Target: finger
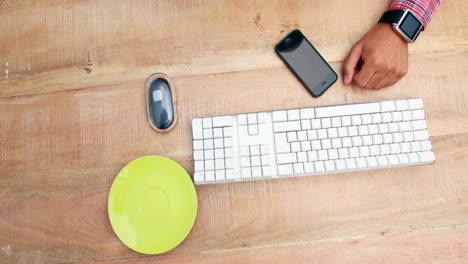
[376,80]
[351,63]
[364,75]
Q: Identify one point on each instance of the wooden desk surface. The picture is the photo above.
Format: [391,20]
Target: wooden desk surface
[72,114]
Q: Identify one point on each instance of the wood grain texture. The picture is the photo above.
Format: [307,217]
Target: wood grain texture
[65,132]
[94,43]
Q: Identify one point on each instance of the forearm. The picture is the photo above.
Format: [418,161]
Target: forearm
[424,9]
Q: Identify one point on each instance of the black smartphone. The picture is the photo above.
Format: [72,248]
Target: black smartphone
[306,63]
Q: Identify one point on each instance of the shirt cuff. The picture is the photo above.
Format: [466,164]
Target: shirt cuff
[423,9]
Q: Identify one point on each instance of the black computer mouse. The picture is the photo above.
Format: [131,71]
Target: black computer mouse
[161,102]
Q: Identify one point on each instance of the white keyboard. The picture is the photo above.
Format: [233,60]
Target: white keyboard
[310,141]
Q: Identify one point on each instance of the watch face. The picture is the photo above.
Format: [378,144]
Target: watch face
[410,25]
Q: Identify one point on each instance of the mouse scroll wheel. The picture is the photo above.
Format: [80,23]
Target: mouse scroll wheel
[157,96]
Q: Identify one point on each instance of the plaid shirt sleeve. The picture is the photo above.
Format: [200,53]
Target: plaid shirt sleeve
[424,9]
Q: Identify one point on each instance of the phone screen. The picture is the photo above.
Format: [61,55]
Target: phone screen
[306,63]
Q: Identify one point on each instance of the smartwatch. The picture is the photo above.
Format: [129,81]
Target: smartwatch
[404,22]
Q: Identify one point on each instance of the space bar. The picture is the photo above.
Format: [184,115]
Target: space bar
[346,110]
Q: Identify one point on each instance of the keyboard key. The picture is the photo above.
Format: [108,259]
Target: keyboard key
[197,128]
[285,169]
[336,143]
[199,176]
[407,115]
[316,145]
[403,158]
[199,166]
[383,128]
[281,143]
[309,167]
[293,114]
[340,164]
[253,130]
[326,143]
[298,168]
[343,153]
[208,144]
[404,126]
[292,137]
[219,164]
[252,118]
[231,175]
[333,154]
[322,133]
[418,125]
[420,135]
[209,165]
[397,117]
[426,145]
[366,119]
[218,142]
[332,133]
[345,120]
[312,134]
[222,121]
[219,153]
[264,149]
[284,158]
[301,136]
[322,155]
[198,144]
[220,175]
[413,158]
[329,165]
[343,110]
[336,121]
[208,154]
[228,152]
[392,159]
[346,142]
[209,176]
[367,140]
[350,163]
[265,160]
[356,120]
[382,160]
[376,118]
[302,157]
[305,124]
[316,124]
[377,139]
[357,141]
[305,146]
[245,162]
[415,103]
[364,151]
[218,132]
[426,156]
[418,114]
[401,105]
[361,163]
[405,147]
[352,131]
[326,122]
[363,130]
[229,163]
[386,117]
[373,129]
[256,172]
[353,152]
[319,166]
[207,123]
[254,150]
[415,146]
[307,113]
[261,118]
[374,150]
[312,155]
[342,132]
[267,171]
[244,151]
[295,147]
[287,126]
[279,116]
[246,173]
[255,161]
[387,106]
[371,162]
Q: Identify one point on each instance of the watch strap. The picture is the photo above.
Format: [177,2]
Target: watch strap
[392,16]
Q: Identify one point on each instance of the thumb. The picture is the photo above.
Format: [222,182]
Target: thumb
[351,62]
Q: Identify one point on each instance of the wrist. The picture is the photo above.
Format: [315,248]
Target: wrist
[388,31]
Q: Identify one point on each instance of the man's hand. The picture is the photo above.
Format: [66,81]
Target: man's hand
[378,60]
